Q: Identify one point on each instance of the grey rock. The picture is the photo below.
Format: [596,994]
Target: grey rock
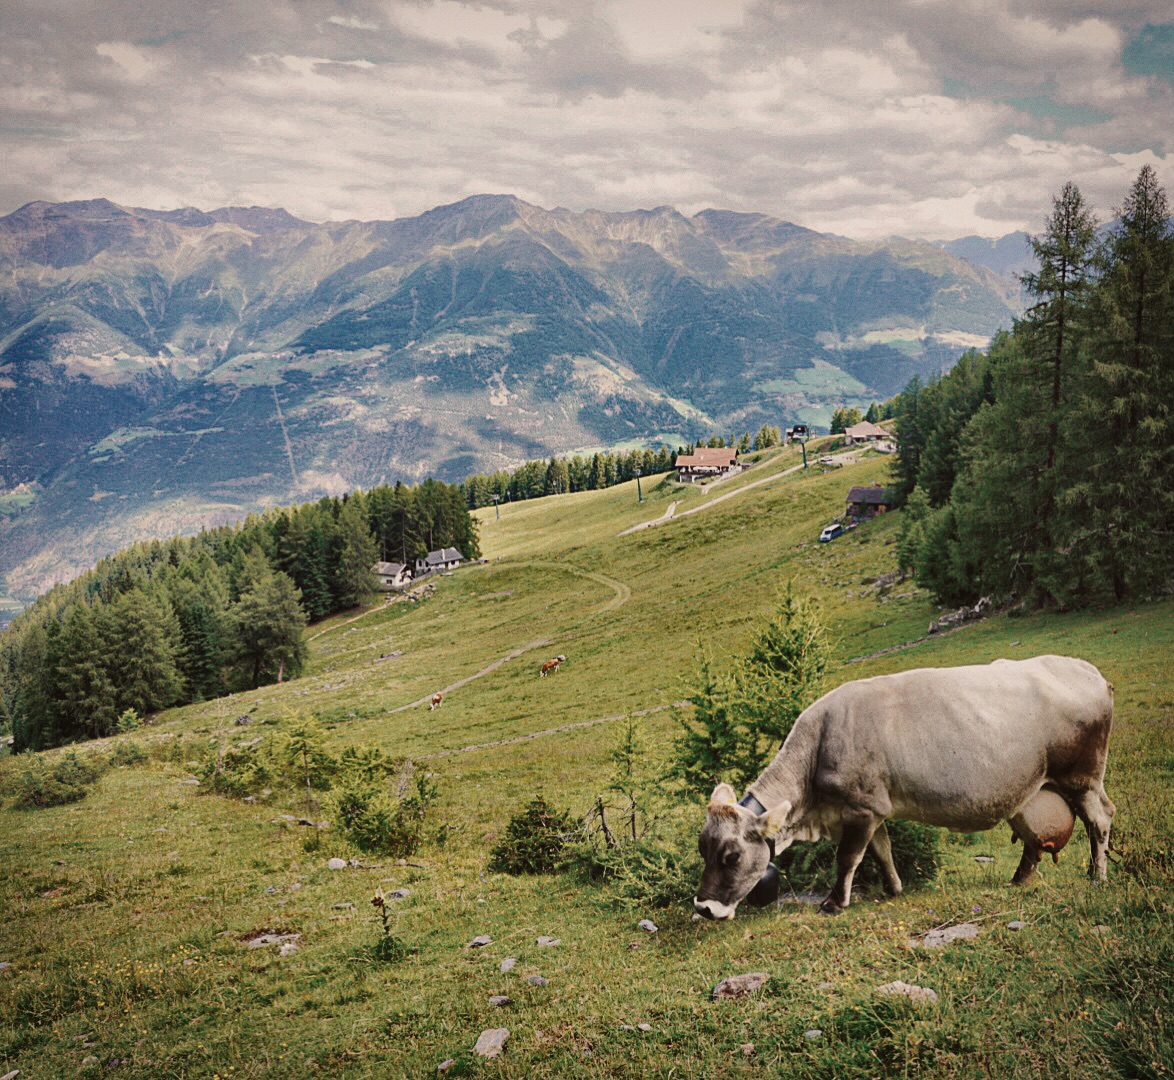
[491,1042]
[644,1027]
[499,1000]
[397,894]
[445,1065]
[813,1034]
[345,906]
[537,980]
[5,965]
[508,963]
[336,864]
[918,994]
[984,858]
[1017,925]
[740,985]
[936,939]
[747,1049]
[272,939]
[649,925]
[548,942]
[480,941]
[288,949]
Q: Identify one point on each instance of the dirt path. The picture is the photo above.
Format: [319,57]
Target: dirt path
[548,731]
[673,516]
[539,644]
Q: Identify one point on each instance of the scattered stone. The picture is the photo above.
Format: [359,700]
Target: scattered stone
[499,1000]
[491,1042]
[271,889]
[984,858]
[11,1075]
[644,1027]
[917,994]
[264,939]
[479,941]
[508,963]
[537,980]
[87,1061]
[747,1049]
[445,1065]
[288,949]
[241,721]
[5,965]
[813,1034]
[336,864]
[937,939]
[649,925]
[548,942]
[397,894]
[740,985]
[1017,925]
[345,906]
[1100,930]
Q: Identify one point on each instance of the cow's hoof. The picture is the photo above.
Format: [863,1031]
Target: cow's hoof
[830,907]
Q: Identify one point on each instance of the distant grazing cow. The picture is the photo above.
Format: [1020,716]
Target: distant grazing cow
[963,748]
[550,665]
[437,698]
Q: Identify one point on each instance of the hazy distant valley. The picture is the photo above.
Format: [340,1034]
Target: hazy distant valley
[160,370]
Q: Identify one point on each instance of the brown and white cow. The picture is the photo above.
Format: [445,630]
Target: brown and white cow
[434,702]
[550,665]
[963,748]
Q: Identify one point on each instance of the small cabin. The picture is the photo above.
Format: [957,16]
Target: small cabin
[707,463]
[865,432]
[392,575]
[443,559]
[867,502]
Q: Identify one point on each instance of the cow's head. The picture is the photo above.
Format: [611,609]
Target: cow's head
[737,846]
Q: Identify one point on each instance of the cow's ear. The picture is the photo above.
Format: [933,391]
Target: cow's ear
[771,822]
[723,795]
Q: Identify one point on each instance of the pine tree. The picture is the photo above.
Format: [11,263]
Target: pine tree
[270,631]
[355,580]
[1123,508]
[142,639]
[86,693]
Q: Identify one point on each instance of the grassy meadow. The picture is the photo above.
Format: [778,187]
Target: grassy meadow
[126,918]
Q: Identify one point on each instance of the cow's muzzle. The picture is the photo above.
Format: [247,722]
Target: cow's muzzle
[766,892]
[713,909]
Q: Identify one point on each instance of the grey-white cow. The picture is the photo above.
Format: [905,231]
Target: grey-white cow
[963,748]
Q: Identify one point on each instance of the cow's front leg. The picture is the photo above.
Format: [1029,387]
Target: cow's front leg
[856,832]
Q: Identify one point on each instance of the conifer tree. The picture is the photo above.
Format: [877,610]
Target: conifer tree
[355,579]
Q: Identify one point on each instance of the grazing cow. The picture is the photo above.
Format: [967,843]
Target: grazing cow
[437,698]
[963,748]
[550,665]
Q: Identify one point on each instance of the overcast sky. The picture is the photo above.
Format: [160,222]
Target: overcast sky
[868,118]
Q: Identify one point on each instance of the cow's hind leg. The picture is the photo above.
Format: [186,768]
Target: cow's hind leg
[882,850]
[856,833]
[1096,810]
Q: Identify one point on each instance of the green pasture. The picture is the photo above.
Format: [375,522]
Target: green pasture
[126,917]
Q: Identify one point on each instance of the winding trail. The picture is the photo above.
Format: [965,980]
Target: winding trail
[548,731]
[674,516]
[529,646]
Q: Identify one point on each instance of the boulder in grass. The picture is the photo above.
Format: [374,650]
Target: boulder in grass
[919,995]
[491,1042]
[736,986]
[480,941]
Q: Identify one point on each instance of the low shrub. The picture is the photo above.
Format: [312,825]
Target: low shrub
[237,772]
[534,841]
[642,874]
[44,782]
[128,752]
[375,819]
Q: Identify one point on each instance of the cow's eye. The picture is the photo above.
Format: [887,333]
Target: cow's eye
[732,857]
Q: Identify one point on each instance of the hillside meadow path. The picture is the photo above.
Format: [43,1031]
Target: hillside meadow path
[672,515]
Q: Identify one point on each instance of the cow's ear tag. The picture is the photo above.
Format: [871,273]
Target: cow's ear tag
[773,820]
[723,795]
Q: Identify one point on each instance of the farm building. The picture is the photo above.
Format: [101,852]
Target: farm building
[392,575]
[866,502]
[864,432]
[444,559]
[706,463]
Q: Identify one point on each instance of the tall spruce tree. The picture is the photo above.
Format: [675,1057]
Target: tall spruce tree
[1124,503]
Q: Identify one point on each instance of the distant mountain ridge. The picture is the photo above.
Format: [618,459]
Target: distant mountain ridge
[160,370]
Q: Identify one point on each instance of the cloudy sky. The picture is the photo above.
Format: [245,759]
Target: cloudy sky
[930,118]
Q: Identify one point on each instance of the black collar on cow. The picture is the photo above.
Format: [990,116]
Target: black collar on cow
[757,809]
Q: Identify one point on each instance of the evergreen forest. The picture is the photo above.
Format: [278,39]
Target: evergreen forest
[1042,471]
[170,622]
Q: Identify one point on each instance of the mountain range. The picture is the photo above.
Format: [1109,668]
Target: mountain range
[165,370]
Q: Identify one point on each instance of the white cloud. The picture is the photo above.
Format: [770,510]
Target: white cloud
[937,117]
